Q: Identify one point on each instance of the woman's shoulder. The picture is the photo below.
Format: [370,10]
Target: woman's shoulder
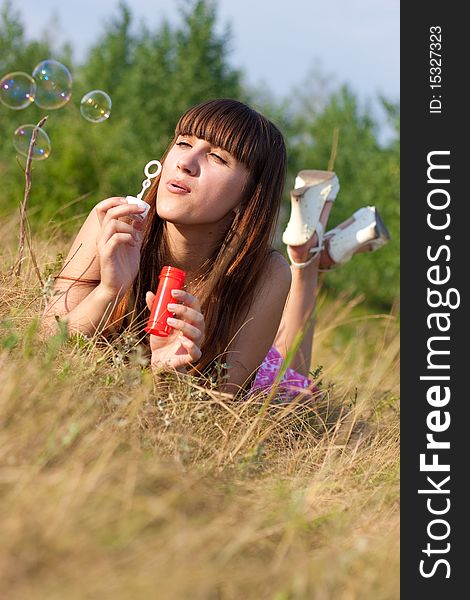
[277,264]
[277,273]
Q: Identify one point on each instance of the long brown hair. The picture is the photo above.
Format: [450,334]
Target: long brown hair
[227,280]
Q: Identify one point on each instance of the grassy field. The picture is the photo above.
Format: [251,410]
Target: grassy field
[116,485]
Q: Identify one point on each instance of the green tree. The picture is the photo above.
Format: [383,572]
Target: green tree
[176,68]
[152,78]
[16,54]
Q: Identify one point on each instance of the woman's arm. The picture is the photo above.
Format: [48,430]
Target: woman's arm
[99,268]
[89,316]
[256,336]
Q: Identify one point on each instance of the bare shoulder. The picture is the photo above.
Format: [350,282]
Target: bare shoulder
[277,263]
[273,286]
[278,273]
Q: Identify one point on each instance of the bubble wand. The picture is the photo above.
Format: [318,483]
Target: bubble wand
[145,185]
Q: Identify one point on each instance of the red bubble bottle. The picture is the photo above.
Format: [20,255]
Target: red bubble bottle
[170,278]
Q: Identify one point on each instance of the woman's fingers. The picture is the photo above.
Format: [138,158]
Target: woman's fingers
[105,205]
[189,327]
[190,331]
[124,212]
[113,227]
[149,296]
[190,312]
[187,298]
[189,319]
[121,238]
[190,315]
[114,208]
[194,352]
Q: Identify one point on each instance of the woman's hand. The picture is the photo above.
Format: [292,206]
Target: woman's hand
[118,244]
[183,345]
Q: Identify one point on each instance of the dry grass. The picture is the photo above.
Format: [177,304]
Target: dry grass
[113,485]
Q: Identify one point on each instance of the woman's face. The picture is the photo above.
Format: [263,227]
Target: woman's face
[200,183]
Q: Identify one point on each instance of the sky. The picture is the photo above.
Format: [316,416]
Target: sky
[276,44]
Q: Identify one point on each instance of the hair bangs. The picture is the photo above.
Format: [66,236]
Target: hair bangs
[230,125]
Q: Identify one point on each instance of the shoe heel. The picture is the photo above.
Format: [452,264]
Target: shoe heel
[380,228]
[366,231]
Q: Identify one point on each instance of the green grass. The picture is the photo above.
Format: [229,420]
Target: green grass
[114,484]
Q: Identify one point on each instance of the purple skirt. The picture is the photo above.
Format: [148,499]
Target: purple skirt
[292,382]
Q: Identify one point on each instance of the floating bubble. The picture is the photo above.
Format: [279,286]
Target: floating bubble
[22,140]
[53,84]
[96,106]
[17,90]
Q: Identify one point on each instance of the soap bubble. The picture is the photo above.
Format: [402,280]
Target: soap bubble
[96,106]
[22,139]
[17,90]
[53,83]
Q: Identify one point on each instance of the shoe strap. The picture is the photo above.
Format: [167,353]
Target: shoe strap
[315,251]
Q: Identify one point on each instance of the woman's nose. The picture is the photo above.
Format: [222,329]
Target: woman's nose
[188,164]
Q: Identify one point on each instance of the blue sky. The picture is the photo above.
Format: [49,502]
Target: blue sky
[277,44]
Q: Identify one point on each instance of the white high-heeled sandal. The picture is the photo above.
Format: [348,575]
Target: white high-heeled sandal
[314,251]
[311,190]
[366,229]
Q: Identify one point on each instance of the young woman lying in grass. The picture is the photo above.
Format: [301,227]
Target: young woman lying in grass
[213,213]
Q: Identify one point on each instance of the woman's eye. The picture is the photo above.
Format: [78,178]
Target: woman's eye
[183,143]
[218,158]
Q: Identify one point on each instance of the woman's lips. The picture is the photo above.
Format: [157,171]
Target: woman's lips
[177,187]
